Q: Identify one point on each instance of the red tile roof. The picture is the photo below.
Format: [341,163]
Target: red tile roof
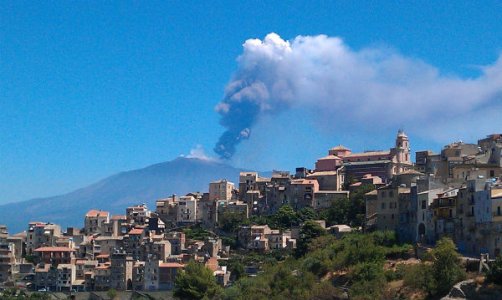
[171,265]
[136,231]
[54,249]
[103,267]
[97,213]
[368,153]
[330,157]
[340,147]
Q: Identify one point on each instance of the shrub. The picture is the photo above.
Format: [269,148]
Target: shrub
[367,278]
[495,273]
[315,266]
[112,293]
[420,276]
[196,282]
[446,265]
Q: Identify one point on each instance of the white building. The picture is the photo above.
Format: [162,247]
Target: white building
[187,209]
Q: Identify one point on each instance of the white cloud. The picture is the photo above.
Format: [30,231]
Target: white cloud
[362,90]
[198,152]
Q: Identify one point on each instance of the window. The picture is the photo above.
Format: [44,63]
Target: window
[383,205]
[424,204]
[498,210]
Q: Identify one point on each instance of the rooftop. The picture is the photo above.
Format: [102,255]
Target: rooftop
[136,231]
[411,172]
[119,217]
[304,181]
[496,193]
[54,249]
[369,162]
[171,265]
[322,173]
[369,153]
[93,213]
[330,157]
[340,148]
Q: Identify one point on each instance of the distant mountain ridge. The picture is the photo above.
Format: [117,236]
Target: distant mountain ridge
[115,193]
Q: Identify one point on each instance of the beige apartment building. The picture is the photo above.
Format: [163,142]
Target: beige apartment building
[220,190]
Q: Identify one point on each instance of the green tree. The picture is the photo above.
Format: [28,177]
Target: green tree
[286,217]
[322,242]
[112,293]
[309,231]
[196,232]
[357,205]
[357,248]
[236,267]
[196,282]
[261,220]
[367,278]
[446,265]
[315,265]
[231,221]
[307,213]
[420,276]
[326,291]
[16,294]
[438,276]
[384,238]
[495,273]
[337,213]
[40,296]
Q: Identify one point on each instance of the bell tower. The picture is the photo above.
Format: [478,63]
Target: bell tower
[402,148]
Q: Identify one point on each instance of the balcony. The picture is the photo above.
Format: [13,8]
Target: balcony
[445,203]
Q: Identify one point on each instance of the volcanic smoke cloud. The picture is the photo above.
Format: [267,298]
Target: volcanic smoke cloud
[365,88]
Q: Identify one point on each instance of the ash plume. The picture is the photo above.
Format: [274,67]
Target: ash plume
[324,76]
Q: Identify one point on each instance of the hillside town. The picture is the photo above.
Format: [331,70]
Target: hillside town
[456,193]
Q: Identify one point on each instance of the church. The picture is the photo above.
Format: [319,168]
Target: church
[383,164]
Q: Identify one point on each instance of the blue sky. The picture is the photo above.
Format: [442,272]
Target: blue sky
[88,89]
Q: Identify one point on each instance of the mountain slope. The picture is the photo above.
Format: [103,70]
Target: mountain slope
[116,192]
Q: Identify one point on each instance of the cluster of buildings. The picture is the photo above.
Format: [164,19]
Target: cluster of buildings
[144,249]
[125,252]
[456,193]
